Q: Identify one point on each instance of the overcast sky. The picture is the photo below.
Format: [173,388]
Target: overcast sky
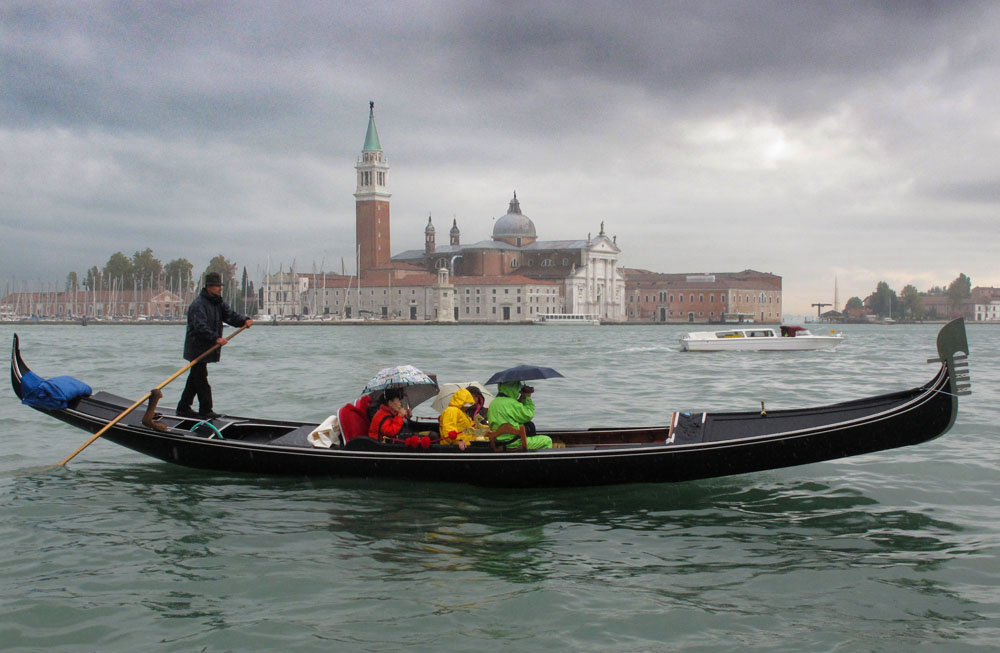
[856,141]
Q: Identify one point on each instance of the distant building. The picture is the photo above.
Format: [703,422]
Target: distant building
[747,296]
[938,305]
[421,296]
[511,277]
[585,270]
[984,304]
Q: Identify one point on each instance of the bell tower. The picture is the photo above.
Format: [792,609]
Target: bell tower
[429,240]
[372,202]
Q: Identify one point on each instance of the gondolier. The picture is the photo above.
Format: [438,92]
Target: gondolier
[205,317]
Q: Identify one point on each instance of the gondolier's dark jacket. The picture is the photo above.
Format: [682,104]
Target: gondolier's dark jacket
[204,325]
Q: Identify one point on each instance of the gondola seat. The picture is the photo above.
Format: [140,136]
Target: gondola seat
[353,422]
[507,429]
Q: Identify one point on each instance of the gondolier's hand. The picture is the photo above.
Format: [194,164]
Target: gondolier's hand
[221,341]
[248,323]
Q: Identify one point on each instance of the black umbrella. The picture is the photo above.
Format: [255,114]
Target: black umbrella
[523,373]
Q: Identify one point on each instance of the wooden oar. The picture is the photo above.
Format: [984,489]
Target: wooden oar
[147,395]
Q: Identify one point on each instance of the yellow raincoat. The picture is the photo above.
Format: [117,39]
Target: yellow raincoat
[455,424]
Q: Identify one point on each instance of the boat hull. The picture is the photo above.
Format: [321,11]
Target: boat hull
[801,343]
[689,447]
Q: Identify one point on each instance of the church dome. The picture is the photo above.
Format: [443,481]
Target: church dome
[515,224]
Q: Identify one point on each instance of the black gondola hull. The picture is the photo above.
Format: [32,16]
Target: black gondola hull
[721,444]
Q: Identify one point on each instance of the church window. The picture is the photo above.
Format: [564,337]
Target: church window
[565,262]
[701,298]
[514,263]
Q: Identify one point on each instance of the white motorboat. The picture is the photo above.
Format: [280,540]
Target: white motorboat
[788,338]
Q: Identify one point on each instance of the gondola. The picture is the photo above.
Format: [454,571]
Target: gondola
[690,446]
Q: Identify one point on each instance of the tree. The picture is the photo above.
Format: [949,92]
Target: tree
[911,305]
[72,282]
[854,303]
[177,275]
[118,272]
[93,280]
[245,299]
[147,269]
[883,300]
[228,271]
[959,290]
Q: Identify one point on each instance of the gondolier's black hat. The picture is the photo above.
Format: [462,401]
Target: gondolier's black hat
[213,279]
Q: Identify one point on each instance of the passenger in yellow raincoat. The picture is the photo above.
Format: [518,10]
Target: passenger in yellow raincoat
[456,425]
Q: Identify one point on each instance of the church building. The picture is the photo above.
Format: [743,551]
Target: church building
[586,269]
[513,277]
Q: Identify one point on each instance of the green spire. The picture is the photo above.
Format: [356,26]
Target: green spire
[371,138]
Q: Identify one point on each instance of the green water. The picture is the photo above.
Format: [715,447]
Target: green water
[893,551]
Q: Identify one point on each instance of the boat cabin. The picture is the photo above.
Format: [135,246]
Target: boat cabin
[747,333]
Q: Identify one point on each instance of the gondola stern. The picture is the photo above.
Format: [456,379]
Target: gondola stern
[953,353]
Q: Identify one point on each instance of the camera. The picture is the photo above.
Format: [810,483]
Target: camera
[527,389]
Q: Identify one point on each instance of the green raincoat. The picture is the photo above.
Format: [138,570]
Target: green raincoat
[506,409]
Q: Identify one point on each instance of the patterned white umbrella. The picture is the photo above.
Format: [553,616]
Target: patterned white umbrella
[400,376]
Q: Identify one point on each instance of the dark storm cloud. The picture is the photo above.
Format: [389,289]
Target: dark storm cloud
[117,118]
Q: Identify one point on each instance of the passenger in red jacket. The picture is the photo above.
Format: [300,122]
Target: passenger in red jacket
[390,420]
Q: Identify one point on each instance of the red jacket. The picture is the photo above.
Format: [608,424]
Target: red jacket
[384,423]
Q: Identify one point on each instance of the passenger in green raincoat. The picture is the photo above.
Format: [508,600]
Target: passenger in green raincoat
[514,408]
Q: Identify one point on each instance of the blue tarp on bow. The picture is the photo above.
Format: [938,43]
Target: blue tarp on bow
[51,394]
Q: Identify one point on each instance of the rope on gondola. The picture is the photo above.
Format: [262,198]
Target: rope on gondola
[211,426]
